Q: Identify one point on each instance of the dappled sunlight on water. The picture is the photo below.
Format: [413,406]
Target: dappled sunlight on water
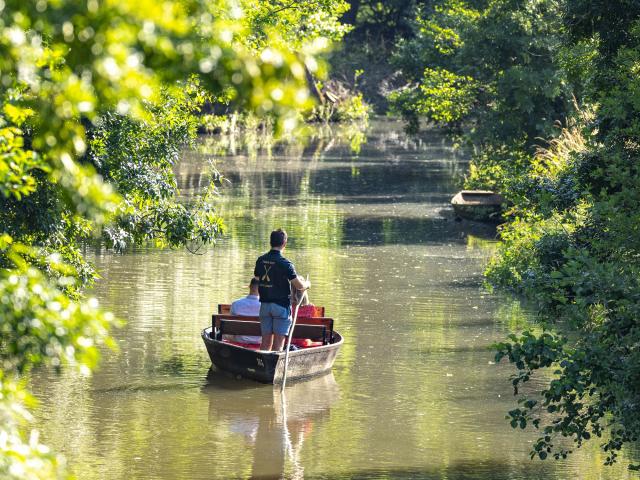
[414,392]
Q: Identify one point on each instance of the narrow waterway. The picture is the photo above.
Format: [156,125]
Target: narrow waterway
[414,392]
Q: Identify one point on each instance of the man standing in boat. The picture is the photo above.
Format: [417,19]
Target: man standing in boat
[276,275]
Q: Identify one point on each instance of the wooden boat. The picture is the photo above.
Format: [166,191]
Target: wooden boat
[479,205]
[268,367]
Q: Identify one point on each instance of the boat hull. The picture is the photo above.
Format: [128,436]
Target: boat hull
[268,367]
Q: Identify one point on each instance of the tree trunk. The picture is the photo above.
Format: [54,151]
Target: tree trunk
[313,88]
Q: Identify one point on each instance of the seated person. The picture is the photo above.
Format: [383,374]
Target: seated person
[306,309]
[299,298]
[248,306]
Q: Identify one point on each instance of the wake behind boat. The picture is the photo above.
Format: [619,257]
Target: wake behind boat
[317,342]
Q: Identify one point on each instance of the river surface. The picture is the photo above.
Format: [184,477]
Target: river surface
[414,392]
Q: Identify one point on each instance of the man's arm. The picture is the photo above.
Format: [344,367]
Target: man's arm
[300,283]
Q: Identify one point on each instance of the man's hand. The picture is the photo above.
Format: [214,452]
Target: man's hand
[300,283]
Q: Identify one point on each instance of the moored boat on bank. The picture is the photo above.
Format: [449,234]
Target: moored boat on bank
[479,205]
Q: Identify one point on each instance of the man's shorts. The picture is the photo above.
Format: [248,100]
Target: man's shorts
[274,318]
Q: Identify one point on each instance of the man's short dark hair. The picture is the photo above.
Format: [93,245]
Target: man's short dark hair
[278,238]
[254,283]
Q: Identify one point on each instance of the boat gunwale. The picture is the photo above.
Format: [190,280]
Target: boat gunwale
[293,353]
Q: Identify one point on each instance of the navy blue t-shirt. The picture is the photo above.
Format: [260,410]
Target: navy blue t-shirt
[274,273]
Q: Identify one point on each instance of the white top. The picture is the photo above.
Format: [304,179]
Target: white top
[250,306]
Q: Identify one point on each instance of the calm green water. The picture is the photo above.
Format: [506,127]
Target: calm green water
[413,394]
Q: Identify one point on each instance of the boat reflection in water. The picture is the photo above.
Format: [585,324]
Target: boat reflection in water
[273,424]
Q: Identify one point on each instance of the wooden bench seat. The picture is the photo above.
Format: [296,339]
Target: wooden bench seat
[305,310]
[326,322]
[316,333]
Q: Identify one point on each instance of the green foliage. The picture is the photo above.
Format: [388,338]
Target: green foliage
[304,29]
[350,108]
[498,168]
[21,453]
[43,323]
[382,21]
[573,250]
[491,64]
[555,255]
[439,30]
[59,330]
[16,164]
[299,23]
[442,97]
[454,93]
[595,391]
[137,158]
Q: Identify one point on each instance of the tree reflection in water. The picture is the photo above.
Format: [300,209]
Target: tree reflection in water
[274,425]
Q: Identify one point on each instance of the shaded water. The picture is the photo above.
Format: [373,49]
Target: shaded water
[413,394]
